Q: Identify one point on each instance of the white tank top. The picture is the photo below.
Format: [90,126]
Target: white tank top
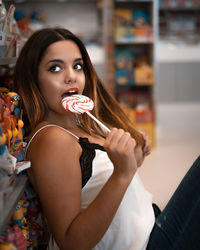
[134,220]
[132,224]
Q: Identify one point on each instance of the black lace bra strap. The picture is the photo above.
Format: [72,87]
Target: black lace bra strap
[86,158]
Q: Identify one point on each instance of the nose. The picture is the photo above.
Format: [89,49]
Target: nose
[70,76]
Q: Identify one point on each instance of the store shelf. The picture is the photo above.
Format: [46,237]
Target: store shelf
[6,60]
[130,1]
[195,8]
[182,22]
[46,1]
[12,199]
[134,42]
[135,87]
[127,46]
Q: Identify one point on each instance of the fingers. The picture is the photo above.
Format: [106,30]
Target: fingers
[121,139]
[130,144]
[148,144]
[120,146]
[114,136]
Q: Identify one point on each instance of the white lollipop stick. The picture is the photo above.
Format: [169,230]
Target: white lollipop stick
[96,120]
[81,104]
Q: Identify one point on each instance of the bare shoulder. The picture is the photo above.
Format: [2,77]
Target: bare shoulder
[52,141]
[53,135]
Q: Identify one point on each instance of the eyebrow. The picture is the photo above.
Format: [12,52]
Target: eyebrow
[61,61]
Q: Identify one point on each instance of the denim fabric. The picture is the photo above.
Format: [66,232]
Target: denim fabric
[177,227]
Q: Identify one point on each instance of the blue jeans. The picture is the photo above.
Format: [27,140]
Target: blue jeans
[177,227]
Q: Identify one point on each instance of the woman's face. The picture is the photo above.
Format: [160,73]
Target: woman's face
[61,73]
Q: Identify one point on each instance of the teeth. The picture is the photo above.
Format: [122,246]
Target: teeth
[71,92]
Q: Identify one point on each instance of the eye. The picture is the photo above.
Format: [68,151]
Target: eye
[78,66]
[55,68]
[15,98]
[17,207]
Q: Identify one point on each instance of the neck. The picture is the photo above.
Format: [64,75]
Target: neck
[67,121]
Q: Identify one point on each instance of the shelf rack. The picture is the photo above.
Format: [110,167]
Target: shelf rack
[6,61]
[135,46]
[12,199]
[20,181]
[192,8]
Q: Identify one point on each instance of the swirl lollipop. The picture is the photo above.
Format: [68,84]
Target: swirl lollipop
[80,104]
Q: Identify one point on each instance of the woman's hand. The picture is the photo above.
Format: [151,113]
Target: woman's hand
[147,146]
[120,146]
[140,153]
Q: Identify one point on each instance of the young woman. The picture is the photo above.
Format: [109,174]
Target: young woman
[86,178]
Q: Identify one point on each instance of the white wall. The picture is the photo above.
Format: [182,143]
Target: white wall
[178,73]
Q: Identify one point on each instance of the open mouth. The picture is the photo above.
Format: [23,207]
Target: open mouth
[70,92]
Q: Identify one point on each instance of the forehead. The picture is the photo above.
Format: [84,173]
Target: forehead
[62,49]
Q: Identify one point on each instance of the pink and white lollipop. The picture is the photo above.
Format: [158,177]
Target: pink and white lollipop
[81,104]
[77,104]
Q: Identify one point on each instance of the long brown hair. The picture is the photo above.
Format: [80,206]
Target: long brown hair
[106,108]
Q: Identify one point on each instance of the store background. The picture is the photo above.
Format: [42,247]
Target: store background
[177,98]
[177,88]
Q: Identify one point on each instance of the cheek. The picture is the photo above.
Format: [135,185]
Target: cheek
[49,92]
[82,79]
[45,85]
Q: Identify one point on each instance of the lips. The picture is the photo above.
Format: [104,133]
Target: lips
[69,92]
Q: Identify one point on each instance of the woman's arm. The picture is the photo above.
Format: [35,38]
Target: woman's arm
[57,177]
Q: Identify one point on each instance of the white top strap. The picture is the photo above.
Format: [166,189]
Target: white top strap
[48,125]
